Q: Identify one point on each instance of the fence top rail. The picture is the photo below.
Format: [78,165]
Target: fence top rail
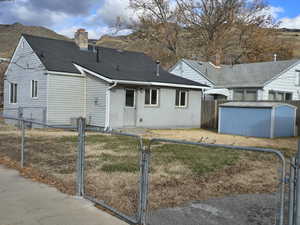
[39,123]
[242,148]
[113,132]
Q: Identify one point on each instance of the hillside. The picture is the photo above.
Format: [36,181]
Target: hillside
[10,34]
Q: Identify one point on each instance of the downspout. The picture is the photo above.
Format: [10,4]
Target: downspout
[107,117]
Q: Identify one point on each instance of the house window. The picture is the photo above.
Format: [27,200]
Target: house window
[251,95]
[280,96]
[151,97]
[181,98]
[298,78]
[130,98]
[34,89]
[13,93]
[238,95]
[245,94]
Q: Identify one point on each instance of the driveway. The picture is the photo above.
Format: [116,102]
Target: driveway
[24,202]
[255,209]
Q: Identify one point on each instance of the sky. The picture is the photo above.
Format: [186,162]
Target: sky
[99,16]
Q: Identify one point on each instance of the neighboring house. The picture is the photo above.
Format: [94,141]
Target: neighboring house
[277,80]
[57,81]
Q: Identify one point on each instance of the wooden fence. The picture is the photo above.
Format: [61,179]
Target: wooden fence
[210,113]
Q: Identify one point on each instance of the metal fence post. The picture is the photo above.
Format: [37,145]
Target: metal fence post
[292,192]
[80,156]
[44,116]
[22,142]
[20,115]
[144,187]
[297,216]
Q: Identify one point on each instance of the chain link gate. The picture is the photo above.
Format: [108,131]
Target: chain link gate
[140,215]
[294,189]
[282,182]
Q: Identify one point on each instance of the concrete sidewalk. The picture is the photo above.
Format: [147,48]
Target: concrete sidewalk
[23,202]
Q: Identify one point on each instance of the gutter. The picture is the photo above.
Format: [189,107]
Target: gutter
[107,107]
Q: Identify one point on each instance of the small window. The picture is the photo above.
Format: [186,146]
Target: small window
[34,89]
[251,95]
[129,99]
[151,97]
[181,98]
[272,95]
[13,93]
[288,96]
[238,95]
[245,94]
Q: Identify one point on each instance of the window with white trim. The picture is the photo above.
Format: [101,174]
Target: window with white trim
[151,97]
[34,88]
[13,96]
[181,98]
[280,96]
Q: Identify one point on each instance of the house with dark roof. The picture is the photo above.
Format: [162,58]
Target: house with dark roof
[277,80]
[56,81]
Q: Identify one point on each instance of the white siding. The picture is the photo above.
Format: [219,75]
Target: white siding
[166,115]
[24,68]
[66,98]
[287,82]
[95,101]
[185,71]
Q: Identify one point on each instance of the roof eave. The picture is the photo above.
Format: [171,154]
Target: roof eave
[239,86]
[83,69]
[284,71]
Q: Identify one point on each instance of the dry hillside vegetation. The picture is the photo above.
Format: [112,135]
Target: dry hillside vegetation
[10,35]
[178,174]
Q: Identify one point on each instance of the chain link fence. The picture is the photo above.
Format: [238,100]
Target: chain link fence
[138,180]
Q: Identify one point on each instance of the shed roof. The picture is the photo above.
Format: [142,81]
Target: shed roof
[255,104]
[60,56]
[241,75]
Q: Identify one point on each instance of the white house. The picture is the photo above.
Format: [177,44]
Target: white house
[56,81]
[277,80]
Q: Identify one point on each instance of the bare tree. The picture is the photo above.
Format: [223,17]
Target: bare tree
[227,27]
[158,22]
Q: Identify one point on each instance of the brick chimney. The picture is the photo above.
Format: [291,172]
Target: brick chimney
[82,39]
[218,59]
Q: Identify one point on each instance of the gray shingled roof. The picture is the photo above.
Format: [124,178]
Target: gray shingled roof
[60,56]
[241,75]
[254,104]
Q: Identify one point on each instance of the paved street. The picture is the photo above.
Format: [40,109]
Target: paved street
[23,202]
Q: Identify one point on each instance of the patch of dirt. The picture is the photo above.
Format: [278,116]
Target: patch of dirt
[216,138]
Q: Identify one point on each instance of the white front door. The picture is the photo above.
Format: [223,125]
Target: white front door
[130,108]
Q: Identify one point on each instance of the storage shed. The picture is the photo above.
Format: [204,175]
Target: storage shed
[258,119]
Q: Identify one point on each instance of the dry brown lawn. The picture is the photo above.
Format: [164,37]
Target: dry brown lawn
[178,174]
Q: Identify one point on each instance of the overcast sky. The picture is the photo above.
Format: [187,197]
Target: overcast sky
[97,16]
